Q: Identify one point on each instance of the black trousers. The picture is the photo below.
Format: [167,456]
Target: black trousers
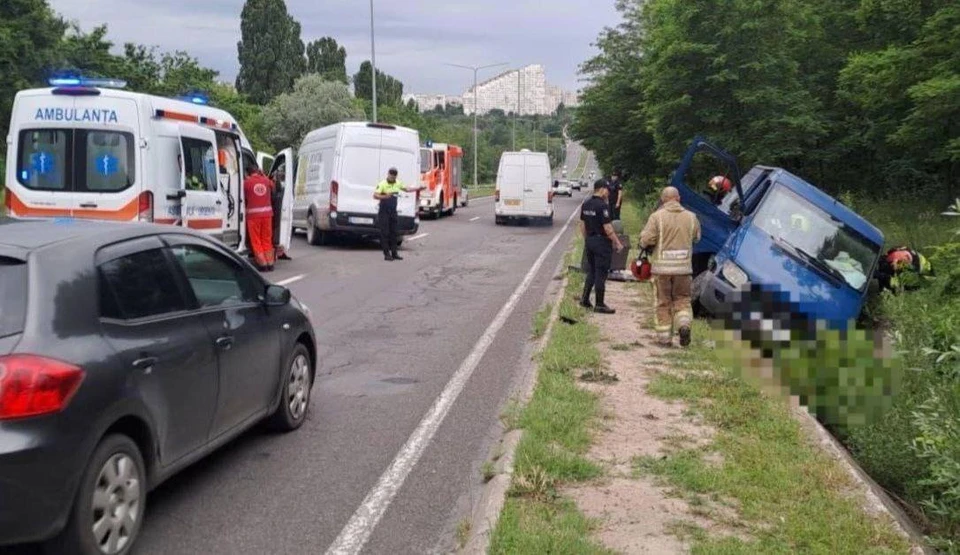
[389,222]
[614,211]
[599,258]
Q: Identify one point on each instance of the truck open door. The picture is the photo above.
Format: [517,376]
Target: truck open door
[202,205]
[716,223]
[265,161]
[282,171]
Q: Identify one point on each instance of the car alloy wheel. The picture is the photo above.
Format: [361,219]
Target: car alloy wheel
[298,387]
[116,504]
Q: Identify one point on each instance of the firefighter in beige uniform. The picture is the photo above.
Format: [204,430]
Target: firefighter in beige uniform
[670,233]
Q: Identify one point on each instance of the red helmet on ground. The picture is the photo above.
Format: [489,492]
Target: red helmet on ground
[721,183]
[900,258]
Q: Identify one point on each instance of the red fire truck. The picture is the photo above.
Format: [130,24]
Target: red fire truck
[441,171]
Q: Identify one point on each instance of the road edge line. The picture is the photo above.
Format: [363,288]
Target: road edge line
[494,497]
[363,521]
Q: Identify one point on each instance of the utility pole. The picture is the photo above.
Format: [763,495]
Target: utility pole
[476,132]
[373,63]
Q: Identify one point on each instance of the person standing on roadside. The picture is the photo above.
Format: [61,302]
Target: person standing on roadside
[616,194]
[258,191]
[600,241]
[279,182]
[671,232]
[387,192]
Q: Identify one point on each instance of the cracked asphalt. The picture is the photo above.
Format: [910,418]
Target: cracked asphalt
[390,337]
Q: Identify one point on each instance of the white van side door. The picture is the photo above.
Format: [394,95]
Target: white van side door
[265,161]
[202,206]
[282,174]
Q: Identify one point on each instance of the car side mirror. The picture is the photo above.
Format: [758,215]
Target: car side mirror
[276,295]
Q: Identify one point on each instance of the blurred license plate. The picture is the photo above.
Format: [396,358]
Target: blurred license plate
[361,221]
[512,202]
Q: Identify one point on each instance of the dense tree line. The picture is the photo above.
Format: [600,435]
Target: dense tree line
[284,88]
[852,94]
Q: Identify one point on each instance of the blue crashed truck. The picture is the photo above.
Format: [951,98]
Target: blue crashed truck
[778,231]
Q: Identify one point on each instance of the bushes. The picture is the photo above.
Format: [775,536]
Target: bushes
[914,451]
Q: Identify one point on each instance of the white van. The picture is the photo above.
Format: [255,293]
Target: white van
[82,149]
[336,171]
[523,187]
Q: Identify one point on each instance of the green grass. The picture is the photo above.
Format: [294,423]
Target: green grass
[531,526]
[482,190]
[540,321]
[558,425]
[789,493]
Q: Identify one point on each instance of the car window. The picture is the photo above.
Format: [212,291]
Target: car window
[139,285]
[215,279]
[13,295]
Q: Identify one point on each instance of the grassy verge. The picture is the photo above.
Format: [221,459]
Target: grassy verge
[789,494]
[482,190]
[558,424]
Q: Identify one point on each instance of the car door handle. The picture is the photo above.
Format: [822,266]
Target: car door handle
[145,362]
[219,202]
[88,205]
[225,342]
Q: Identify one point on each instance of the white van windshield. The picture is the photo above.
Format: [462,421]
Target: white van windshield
[77,160]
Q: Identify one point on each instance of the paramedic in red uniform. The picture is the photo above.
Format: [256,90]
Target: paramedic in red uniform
[258,191]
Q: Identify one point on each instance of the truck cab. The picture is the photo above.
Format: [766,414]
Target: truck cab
[778,231]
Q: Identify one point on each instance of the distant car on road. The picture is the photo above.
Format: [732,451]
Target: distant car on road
[564,188]
[128,352]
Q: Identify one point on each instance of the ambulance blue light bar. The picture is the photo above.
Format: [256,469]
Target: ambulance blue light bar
[106,83]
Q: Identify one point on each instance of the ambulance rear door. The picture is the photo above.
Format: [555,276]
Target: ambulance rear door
[202,203]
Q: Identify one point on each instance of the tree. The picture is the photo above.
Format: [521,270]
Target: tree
[328,59]
[30,36]
[389,89]
[270,50]
[312,104]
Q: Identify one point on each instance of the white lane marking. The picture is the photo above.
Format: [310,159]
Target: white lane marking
[363,522]
[415,237]
[288,281]
[474,219]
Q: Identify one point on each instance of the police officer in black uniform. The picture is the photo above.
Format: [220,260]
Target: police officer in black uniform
[615,185]
[600,241]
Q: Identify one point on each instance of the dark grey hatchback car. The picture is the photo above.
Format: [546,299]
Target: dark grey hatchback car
[128,352]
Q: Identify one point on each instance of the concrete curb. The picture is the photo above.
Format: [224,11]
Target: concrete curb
[876,501]
[487,512]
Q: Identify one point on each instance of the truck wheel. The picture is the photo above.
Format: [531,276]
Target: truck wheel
[314,236]
[696,289]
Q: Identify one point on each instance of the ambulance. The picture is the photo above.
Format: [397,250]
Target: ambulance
[85,148]
[441,171]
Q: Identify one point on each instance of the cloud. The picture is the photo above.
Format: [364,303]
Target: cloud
[414,37]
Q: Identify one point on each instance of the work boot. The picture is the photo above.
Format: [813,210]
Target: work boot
[397,256]
[585,302]
[284,256]
[388,258]
[685,336]
[604,309]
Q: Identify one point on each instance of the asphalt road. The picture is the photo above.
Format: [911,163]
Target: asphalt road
[391,336]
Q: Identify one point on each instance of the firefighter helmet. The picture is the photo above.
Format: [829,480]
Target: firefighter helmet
[721,184]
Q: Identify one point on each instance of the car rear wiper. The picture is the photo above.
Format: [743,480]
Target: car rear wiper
[813,260]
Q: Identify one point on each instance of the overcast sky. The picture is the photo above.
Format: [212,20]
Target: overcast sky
[414,37]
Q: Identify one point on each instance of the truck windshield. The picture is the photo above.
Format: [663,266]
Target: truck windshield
[75,160]
[820,240]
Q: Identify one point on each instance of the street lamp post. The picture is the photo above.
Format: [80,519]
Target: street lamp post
[476,133]
[373,62]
